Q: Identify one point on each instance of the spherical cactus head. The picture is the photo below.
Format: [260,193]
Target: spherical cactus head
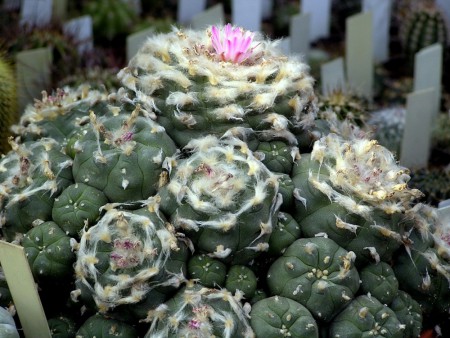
[222,78]
[355,193]
[367,316]
[282,317]
[126,255]
[197,311]
[313,272]
[224,198]
[122,155]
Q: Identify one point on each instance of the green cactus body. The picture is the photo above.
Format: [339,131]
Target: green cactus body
[284,234]
[32,176]
[49,252]
[277,156]
[77,206]
[8,103]
[424,27]
[346,105]
[356,194]
[197,311]
[197,94]
[208,271]
[277,316]
[224,197]
[122,156]
[313,272]
[7,325]
[62,327]
[60,114]
[422,273]
[379,280]
[260,294]
[241,278]
[408,312]
[366,317]
[123,257]
[286,189]
[102,327]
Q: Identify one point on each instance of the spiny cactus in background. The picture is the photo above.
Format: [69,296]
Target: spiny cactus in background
[433,182]
[111,18]
[424,26]
[209,82]
[197,311]
[346,105]
[388,125]
[441,134]
[8,103]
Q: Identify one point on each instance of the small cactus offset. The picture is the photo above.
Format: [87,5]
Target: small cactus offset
[210,197]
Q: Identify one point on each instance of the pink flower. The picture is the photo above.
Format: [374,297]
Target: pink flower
[232,44]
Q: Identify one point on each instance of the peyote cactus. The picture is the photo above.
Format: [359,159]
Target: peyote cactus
[126,255]
[213,82]
[282,317]
[366,316]
[224,197]
[313,272]
[208,197]
[197,311]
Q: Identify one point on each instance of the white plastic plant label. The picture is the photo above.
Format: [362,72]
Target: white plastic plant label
[332,76]
[415,148]
[214,15]
[187,9]
[247,14]
[299,32]
[23,291]
[381,19]
[135,41]
[359,54]
[33,69]
[320,12]
[36,13]
[428,73]
[80,29]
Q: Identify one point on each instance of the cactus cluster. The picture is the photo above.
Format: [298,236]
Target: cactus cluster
[424,26]
[208,197]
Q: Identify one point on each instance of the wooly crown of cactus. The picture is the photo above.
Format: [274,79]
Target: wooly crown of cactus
[193,202]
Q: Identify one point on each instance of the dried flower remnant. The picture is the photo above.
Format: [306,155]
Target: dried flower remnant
[232,44]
